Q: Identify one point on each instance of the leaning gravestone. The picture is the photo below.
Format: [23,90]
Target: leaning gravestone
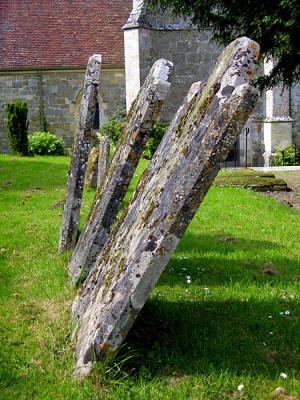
[165,201]
[83,300]
[142,116]
[92,168]
[103,159]
[98,163]
[71,213]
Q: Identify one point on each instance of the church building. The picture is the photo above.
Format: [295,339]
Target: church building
[44,48]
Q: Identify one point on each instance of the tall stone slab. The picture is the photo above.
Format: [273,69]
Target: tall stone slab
[83,139]
[142,116]
[165,201]
[82,301]
[98,163]
[103,159]
[92,168]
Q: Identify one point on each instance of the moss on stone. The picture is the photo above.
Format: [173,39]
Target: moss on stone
[248,178]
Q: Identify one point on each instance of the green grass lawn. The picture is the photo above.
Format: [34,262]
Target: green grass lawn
[213,322]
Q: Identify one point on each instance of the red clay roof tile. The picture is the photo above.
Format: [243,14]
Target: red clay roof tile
[56,33]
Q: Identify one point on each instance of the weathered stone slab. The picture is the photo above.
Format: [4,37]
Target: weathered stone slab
[219,80]
[71,213]
[142,116]
[103,159]
[98,163]
[83,299]
[165,201]
[92,168]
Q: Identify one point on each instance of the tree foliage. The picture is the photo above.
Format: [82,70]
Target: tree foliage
[274,24]
[158,131]
[17,126]
[114,125]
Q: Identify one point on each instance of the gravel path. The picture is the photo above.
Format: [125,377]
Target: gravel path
[292,178]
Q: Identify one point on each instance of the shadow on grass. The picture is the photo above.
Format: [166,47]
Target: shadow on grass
[199,336]
[188,337]
[208,260]
[222,244]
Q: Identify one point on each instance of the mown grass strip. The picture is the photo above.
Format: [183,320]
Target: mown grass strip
[214,320]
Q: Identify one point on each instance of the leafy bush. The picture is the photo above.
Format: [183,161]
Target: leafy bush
[46,143]
[114,126]
[288,158]
[17,126]
[158,131]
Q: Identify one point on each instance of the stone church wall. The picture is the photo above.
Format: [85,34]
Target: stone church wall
[190,51]
[295,113]
[193,55]
[54,96]
[149,36]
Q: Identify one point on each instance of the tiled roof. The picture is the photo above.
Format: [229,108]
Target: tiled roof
[56,33]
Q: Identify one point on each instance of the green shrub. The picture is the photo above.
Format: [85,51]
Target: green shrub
[17,126]
[114,126]
[288,159]
[46,143]
[158,131]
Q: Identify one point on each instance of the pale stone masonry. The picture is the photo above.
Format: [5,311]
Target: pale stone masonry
[149,35]
[143,114]
[295,113]
[82,146]
[60,98]
[165,201]
[44,46]
[277,123]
